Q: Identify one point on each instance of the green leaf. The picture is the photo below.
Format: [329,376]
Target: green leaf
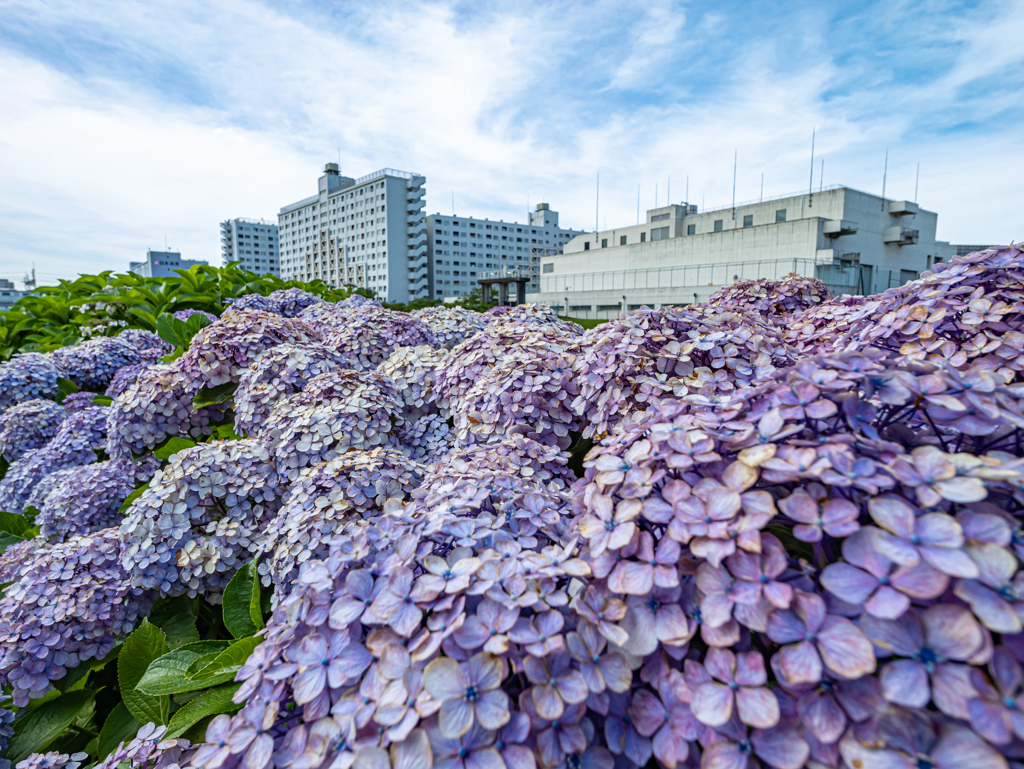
[180,630]
[6,540]
[102,400]
[143,646]
[29,513]
[168,674]
[65,387]
[146,317]
[228,662]
[119,726]
[172,330]
[211,703]
[195,322]
[4,464]
[44,724]
[79,673]
[173,446]
[226,432]
[241,607]
[130,499]
[211,396]
[14,524]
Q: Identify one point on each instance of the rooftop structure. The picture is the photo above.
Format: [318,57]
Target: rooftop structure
[253,242]
[162,264]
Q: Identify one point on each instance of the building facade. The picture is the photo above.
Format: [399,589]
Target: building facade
[253,242]
[855,242]
[162,264]
[8,294]
[368,232]
[462,248]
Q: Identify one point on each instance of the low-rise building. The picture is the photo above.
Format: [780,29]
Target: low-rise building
[253,242]
[8,294]
[162,264]
[460,249]
[856,242]
[367,232]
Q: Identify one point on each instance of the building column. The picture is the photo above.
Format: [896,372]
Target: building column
[521,292]
[503,294]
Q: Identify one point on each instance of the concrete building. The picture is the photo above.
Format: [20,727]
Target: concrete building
[162,264]
[965,250]
[461,249]
[855,242]
[8,294]
[253,242]
[368,232]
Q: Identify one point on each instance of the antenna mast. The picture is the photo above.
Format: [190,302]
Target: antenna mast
[917,178]
[885,173]
[597,204]
[735,154]
[810,185]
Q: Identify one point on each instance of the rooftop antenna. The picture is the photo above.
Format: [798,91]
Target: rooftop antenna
[453,202]
[655,194]
[917,178]
[687,189]
[668,192]
[885,173]
[638,204]
[761,199]
[821,177]
[735,153]
[597,203]
[810,185]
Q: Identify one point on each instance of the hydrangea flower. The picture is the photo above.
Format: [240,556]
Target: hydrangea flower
[28,376]
[793,293]
[28,425]
[370,334]
[92,364]
[452,325]
[425,440]
[125,377]
[53,760]
[147,344]
[78,401]
[148,749]
[411,369]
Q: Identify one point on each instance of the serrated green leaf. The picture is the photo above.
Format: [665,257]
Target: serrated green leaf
[211,703]
[130,499]
[227,663]
[29,513]
[146,317]
[227,433]
[65,387]
[195,322]
[119,726]
[146,644]
[240,596]
[180,630]
[172,330]
[211,396]
[102,400]
[6,540]
[44,724]
[168,674]
[172,447]
[14,524]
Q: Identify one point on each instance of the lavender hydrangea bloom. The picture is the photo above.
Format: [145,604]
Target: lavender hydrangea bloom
[78,401]
[27,377]
[412,370]
[277,373]
[452,325]
[89,498]
[147,344]
[53,760]
[793,293]
[184,315]
[370,334]
[426,440]
[17,556]
[70,604]
[149,749]
[28,425]
[92,364]
[249,302]
[220,352]
[125,377]
[200,518]
[290,302]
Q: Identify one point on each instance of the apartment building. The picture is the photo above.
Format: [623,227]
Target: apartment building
[369,232]
[162,264]
[9,295]
[856,242]
[461,248]
[253,242]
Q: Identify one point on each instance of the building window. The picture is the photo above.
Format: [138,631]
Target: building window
[622,240]
[604,242]
[718,225]
[659,233]
[643,237]
[609,307]
[748,220]
[579,308]
[780,215]
[549,267]
[659,218]
[586,246]
[691,229]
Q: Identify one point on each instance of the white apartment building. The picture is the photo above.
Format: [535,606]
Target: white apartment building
[368,232]
[9,295]
[253,242]
[460,248]
[162,264]
[856,242]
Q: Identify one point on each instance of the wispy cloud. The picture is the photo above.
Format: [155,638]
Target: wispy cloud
[128,121]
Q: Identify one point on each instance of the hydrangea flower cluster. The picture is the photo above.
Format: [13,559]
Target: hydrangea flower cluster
[53,760]
[323,498]
[157,406]
[28,425]
[427,439]
[184,315]
[820,329]
[149,749]
[221,351]
[412,370]
[538,314]
[277,373]
[452,325]
[201,518]
[92,364]
[78,401]
[255,302]
[334,413]
[151,347]
[76,443]
[87,499]
[358,300]
[125,378]
[71,603]
[769,297]
[292,301]
[27,377]
[368,335]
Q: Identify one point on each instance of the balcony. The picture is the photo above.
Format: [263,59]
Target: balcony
[901,236]
[414,219]
[836,228]
[416,195]
[902,208]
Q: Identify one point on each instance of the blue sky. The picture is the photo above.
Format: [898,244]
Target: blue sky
[125,123]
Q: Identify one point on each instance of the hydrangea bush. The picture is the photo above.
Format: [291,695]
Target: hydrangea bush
[780,529]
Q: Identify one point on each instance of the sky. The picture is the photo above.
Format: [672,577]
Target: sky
[130,125]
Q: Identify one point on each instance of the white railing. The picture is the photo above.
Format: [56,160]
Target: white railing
[508,273]
[304,202]
[384,172]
